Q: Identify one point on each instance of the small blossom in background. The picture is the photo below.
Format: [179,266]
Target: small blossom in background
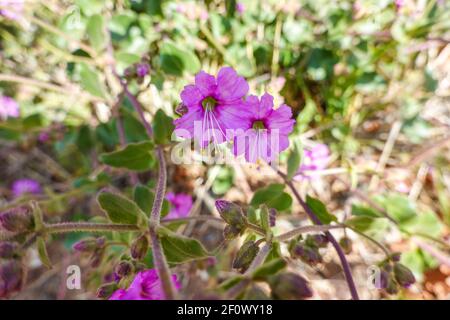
[145,286]
[44,136]
[9,108]
[192,11]
[142,69]
[399,4]
[11,9]
[240,8]
[180,205]
[213,105]
[24,186]
[267,130]
[314,159]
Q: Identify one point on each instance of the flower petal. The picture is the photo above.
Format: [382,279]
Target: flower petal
[230,86]
[192,96]
[205,83]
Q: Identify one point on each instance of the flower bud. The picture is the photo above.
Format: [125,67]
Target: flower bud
[11,275]
[381,280]
[272,217]
[346,245]
[124,268]
[289,286]
[17,220]
[392,286]
[97,257]
[88,245]
[181,109]
[106,290]
[255,293]
[403,275]
[320,240]
[8,249]
[245,255]
[231,232]
[139,247]
[129,72]
[308,254]
[396,256]
[231,213]
[142,69]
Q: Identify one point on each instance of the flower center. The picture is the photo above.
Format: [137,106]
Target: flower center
[258,125]
[209,103]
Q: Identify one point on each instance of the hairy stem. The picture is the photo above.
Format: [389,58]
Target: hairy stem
[316,228]
[158,255]
[65,227]
[337,247]
[162,267]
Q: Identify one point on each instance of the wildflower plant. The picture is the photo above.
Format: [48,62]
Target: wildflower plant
[261,84]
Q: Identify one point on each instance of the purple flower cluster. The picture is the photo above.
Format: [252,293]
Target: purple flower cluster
[9,108]
[314,159]
[11,9]
[145,286]
[24,186]
[181,205]
[216,110]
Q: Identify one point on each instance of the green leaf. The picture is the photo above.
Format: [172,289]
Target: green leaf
[273,196]
[180,249]
[361,223]
[399,207]
[320,210]
[294,160]
[358,210]
[134,156]
[96,32]
[176,59]
[42,251]
[425,223]
[269,268]
[90,81]
[33,121]
[162,127]
[144,198]
[120,209]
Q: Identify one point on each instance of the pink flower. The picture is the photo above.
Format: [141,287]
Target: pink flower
[142,69]
[9,108]
[399,4]
[240,8]
[23,186]
[314,159]
[145,286]
[11,9]
[267,130]
[181,205]
[212,106]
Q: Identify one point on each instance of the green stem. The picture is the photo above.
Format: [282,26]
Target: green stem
[378,244]
[315,228]
[65,227]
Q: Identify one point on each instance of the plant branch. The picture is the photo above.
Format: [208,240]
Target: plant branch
[161,264]
[337,247]
[65,227]
[315,228]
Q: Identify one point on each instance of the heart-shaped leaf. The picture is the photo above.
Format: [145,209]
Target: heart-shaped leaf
[134,156]
[320,210]
[120,209]
[180,249]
